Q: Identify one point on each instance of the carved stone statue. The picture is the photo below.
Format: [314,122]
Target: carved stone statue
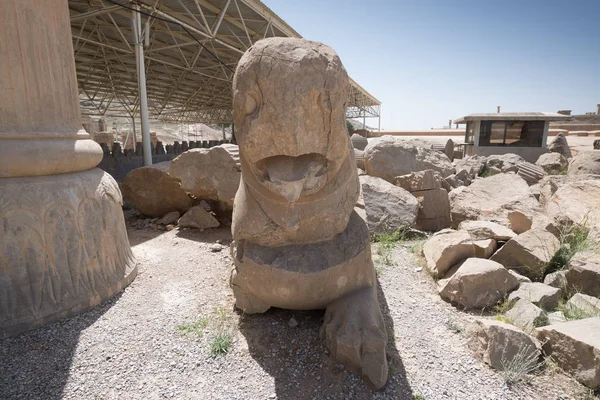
[298,244]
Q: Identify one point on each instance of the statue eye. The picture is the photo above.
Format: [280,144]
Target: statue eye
[250,105]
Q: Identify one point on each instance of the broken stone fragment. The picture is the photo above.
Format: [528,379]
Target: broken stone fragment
[543,296]
[482,230]
[526,315]
[446,248]
[198,218]
[583,274]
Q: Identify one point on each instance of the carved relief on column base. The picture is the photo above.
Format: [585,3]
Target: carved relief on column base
[63,247]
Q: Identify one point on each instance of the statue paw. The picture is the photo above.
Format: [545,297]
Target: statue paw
[354,333]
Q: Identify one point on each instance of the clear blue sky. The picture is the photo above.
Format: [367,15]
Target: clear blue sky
[431,60]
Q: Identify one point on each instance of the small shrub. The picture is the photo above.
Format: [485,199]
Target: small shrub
[574,313]
[524,362]
[573,239]
[453,326]
[386,243]
[416,247]
[221,344]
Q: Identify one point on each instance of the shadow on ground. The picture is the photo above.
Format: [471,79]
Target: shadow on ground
[36,364]
[301,365]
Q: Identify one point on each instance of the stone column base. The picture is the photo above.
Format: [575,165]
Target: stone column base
[63,247]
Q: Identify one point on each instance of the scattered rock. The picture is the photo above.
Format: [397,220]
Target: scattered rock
[584,273]
[531,173]
[556,317]
[520,278]
[577,203]
[215,248]
[472,164]
[208,174]
[553,163]
[485,248]
[358,142]
[198,218]
[575,346]
[585,162]
[388,208]
[446,248]
[420,180]
[559,145]
[556,279]
[482,230]
[170,218]
[498,343]
[526,315]
[478,283]
[388,157]
[359,156]
[584,305]
[169,228]
[528,253]
[504,162]
[434,210]
[153,192]
[492,199]
[543,296]
[519,222]
[292,323]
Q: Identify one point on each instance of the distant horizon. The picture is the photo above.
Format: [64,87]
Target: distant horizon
[432,61]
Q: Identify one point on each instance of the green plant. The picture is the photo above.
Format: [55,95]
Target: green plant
[573,313]
[349,126]
[486,173]
[418,396]
[522,363]
[221,344]
[453,326]
[386,243]
[416,246]
[194,328]
[573,238]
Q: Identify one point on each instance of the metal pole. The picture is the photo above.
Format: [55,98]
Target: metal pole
[223,126]
[141,70]
[134,141]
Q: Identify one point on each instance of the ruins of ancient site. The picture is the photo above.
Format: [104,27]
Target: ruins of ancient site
[199,201]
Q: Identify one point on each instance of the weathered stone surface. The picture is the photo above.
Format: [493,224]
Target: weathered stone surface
[577,203]
[528,253]
[434,210]
[583,274]
[584,163]
[478,283]
[153,192]
[447,248]
[575,346]
[557,317]
[420,180]
[556,279]
[519,222]
[491,199]
[504,162]
[485,248]
[474,165]
[531,173]
[388,157]
[450,182]
[584,305]
[559,145]
[498,343]
[550,184]
[207,174]
[553,163]
[169,218]
[526,315]
[198,218]
[520,278]
[63,247]
[544,296]
[481,230]
[388,208]
[297,243]
[359,142]
[359,155]
[463,178]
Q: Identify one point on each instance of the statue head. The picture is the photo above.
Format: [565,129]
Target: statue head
[289,101]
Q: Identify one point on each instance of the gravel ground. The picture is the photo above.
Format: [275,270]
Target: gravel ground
[141,345]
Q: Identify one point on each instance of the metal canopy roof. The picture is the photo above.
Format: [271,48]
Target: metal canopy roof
[513,116]
[191,52]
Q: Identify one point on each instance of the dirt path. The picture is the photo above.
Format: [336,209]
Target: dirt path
[144,343]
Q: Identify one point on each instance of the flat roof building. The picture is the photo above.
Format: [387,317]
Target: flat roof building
[522,133]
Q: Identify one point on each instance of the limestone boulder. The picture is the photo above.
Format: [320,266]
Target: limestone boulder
[577,203]
[153,192]
[420,180]
[388,157]
[560,145]
[520,278]
[434,209]
[485,248]
[198,218]
[446,248]
[585,162]
[528,253]
[388,208]
[583,274]
[169,218]
[504,162]
[478,283]
[583,306]
[491,199]
[575,347]
[544,296]
[553,163]
[556,317]
[550,184]
[519,222]
[500,344]
[474,165]
[359,142]
[526,315]
[556,279]
[207,174]
[359,155]
[481,230]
